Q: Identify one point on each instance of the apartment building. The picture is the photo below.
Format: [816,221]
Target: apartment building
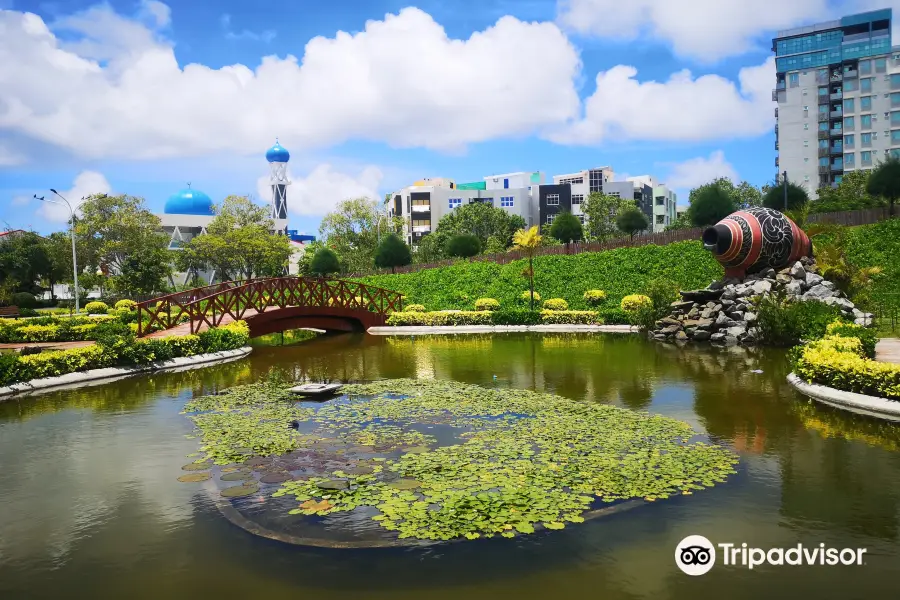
[838,94]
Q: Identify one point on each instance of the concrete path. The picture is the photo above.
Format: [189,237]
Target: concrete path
[888,350]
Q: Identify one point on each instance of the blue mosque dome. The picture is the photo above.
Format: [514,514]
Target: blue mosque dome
[277,153]
[189,202]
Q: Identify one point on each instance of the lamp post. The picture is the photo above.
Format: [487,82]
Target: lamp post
[72,232]
[785,183]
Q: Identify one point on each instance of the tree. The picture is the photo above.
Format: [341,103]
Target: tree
[430,248]
[304,263]
[144,273]
[59,251]
[352,231]
[528,241]
[746,195]
[392,252]
[796,196]
[632,220]
[24,261]
[850,194]
[710,203]
[324,262]
[885,181]
[566,227]
[600,211]
[682,221]
[481,220]
[463,245]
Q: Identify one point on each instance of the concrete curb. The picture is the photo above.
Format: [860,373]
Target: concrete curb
[78,378]
[451,329]
[862,404]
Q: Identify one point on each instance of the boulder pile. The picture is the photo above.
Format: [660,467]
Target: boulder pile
[723,313]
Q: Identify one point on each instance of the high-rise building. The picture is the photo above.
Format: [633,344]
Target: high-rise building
[838,94]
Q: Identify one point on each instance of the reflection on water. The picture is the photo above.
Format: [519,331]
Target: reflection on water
[90,500]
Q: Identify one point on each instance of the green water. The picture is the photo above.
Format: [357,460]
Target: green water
[90,506]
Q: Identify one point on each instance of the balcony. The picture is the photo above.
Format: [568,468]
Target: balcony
[837,166]
[776,144]
[776,161]
[421,228]
[836,77]
[774,95]
[836,132]
[836,149]
[420,208]
[824,169]
[821,79]
[823,117]
[851,74]
[823,152]
[776,112]
[836,114]
[837,96]
[823,134]
[781,86]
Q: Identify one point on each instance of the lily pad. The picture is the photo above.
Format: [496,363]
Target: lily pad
[239,491]
[196,467]
[334,484]
[405,484]
[275,478]
[417,450]
[194,477]
[237,476]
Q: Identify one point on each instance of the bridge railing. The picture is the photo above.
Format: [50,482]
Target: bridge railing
[159,311]
[260,295]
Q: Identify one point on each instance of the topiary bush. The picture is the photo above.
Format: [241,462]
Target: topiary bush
[96,308]
[570,317]
[526,296]
[555,304]
[867,336]
[415,308]
[23,300]
[441,318]
[594,297]
[840,363]
[634,302]
[486,304]
[126,305]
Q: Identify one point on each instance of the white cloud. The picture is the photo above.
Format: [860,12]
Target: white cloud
[85,184]
[706,30]
[10,158]
[265,36]
[400,80]
[697,171]
[321,190]
[682,108]
[20,200]
[159,12]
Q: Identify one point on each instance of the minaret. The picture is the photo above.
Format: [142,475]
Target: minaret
[278,159]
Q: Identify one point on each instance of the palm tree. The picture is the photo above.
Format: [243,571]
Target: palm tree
[528,242]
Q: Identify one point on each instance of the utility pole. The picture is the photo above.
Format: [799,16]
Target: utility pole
[785,183]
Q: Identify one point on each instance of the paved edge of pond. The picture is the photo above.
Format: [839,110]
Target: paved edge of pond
[445,329]
[77,378]
[861,404]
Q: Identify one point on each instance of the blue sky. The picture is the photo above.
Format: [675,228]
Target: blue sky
[141,97]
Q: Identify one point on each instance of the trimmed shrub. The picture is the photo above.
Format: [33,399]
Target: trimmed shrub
[556,304]
[61,362]
[594,297]
[570,317]
[526,296]
[515,317]
[867,336]
[415,308]
[436,319]
[614,316]
[635,302]
[38,333]
[96,308]
[126,305]
[23,300]
[28,312]
[486,304]
[840,363]
[228,337]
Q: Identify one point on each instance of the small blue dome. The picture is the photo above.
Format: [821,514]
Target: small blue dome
[277,153]
[189,202]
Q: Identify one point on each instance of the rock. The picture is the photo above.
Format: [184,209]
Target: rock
[716,286]
[682,305]
[745,292]
[727,303]
[689,331]
[827,284]
[750,317]
[818,292]
[668,321]
[690,323]
[736,315]
[658,337]
[670,329]
[737,331]
[707,314]
[704,324]
[717,308]
[767,273]
[701,295]
[693,313]
[729,294]
[793,288]
[842,302]
[857,313]
[751,278]
[730,340]
[797,271]
[717,337]
[722,319]
[761,287]
[681,336]
[806,261]
[783,279]
[701,336]
[812,279]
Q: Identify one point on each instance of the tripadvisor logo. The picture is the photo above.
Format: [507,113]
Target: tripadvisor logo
[696,555]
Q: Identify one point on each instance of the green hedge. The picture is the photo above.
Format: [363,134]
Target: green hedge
[841,363]
[51,329]
[570,317]
[878,245]
[617,272]
[500,317]
[118,347]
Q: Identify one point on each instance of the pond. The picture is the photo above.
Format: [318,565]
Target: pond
[91,502]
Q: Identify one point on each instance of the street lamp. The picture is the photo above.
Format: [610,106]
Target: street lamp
[74,259]
[785,180]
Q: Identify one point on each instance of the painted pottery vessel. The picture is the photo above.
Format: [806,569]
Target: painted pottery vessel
[751,240]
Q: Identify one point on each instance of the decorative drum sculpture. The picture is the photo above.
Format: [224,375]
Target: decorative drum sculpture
[751,240]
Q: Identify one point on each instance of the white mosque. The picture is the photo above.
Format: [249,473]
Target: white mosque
[188,213]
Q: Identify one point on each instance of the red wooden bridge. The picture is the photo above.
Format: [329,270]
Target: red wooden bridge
[270,305]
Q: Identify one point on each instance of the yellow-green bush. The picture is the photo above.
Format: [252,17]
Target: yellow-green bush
[556,304]
[840,363]
[61,362]
[228,337]
[635,302]
[570,317]
[526,295]
[486,304]
[594,297]
[38,333]
[415,308]
[462,317]
[126,305]
[96,308]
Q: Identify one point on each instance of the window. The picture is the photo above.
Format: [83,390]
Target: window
[823,126]
[806,159]
[571,180]
[507,201]
[880,65]
[865,103]
[421,202]
[505,183]
[806,126]
[865,157]
[455,203]
[552,200]
[421,223]
[851,85]
[895,99]
[823,162]
[848,123]
[865,67]
[848,104]
[806,178]
[865,84]
[794,80]
[865,139]
[895,117]
[805,111]
[849,140]
[848,160]
[660,219]
[806,143]
[865,121]
[615,194]
[577,198]
[895,81]
[660,200]
[823,91]
[895,137]
[895,153]
[581,218]
[823,108]
[550,218]
[823,144]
